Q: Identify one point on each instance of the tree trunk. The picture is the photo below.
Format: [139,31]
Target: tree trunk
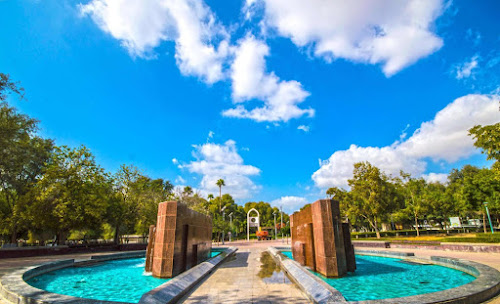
[220,199]
[484,222]
[61,238]
[416,225]
[117,235]
[377,232]
[13,236]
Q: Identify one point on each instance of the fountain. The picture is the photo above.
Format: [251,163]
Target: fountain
[321,241]
[181,240]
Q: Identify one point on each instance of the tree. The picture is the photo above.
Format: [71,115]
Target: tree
[150,193]
[488,139]
[342,196]
[372,193]
[72,195]
[7,87]
[123,210]
[23,156]
[440,207]
[414,192]
[220,183]
[188,191]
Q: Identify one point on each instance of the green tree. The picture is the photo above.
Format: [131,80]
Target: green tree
[414,193]
[7,87]
[343,197]
[23,156]
[220,183]
[488,139]
[372,193]
[440,206]
[73,194]
[123,208]
[150,192]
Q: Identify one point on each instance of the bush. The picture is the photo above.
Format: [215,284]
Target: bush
[480,238]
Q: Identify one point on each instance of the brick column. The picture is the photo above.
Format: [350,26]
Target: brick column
[164,240]
[149,250]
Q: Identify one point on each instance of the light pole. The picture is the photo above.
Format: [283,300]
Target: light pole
[230,226]
[281,222]
[275,228]
[223,220]
[489,218]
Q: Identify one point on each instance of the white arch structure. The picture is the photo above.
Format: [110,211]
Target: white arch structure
[248,221]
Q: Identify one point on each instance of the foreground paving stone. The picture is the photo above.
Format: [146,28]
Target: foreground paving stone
[238,281]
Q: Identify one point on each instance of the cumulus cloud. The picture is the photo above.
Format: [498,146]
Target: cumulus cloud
[290,203]
[394,33]
[303,128]
[250,80]
[443,138]
[436,177]
[141,25]
[466,69]
[214,161]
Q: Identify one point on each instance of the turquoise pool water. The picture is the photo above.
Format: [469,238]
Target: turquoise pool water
[383,278]
[119,280]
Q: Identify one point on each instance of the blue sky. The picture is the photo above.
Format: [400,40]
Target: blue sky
[278,97]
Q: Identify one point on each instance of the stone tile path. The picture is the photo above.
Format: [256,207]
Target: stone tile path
[241,279]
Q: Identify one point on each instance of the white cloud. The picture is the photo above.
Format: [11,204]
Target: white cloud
[436,177]
[465,70]
[215,161]
[251,81]
[393,33]
[180,180]
[290,203]
[141,26]
[175,161]
[443,138]
[303,128]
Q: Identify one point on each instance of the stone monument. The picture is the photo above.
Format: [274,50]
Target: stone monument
[181,239]
[321,241]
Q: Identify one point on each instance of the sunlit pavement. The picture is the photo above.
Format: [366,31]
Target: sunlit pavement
[242,280]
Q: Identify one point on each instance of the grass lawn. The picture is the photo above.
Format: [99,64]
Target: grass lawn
[443,238]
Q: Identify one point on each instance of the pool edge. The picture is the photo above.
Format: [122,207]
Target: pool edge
[175,289]
[484,287]
[314,288]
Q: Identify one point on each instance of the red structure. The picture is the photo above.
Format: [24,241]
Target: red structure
[319,240]
[181,240]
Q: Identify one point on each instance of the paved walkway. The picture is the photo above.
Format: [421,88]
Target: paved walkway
[249,277]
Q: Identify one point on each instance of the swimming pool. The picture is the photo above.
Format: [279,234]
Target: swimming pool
[382,278]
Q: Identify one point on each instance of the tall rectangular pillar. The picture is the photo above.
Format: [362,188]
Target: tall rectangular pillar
[183,238]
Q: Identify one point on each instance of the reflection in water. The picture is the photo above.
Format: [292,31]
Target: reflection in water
[270,272]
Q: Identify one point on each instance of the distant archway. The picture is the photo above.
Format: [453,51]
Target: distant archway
[252,221]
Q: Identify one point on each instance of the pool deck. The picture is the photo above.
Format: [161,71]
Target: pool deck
[237,280]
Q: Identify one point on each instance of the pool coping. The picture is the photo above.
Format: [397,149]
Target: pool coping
[484,287]
[313,287]
[13,286]
[175,289]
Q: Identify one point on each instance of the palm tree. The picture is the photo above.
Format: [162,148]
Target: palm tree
[210,197]
[220,183]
